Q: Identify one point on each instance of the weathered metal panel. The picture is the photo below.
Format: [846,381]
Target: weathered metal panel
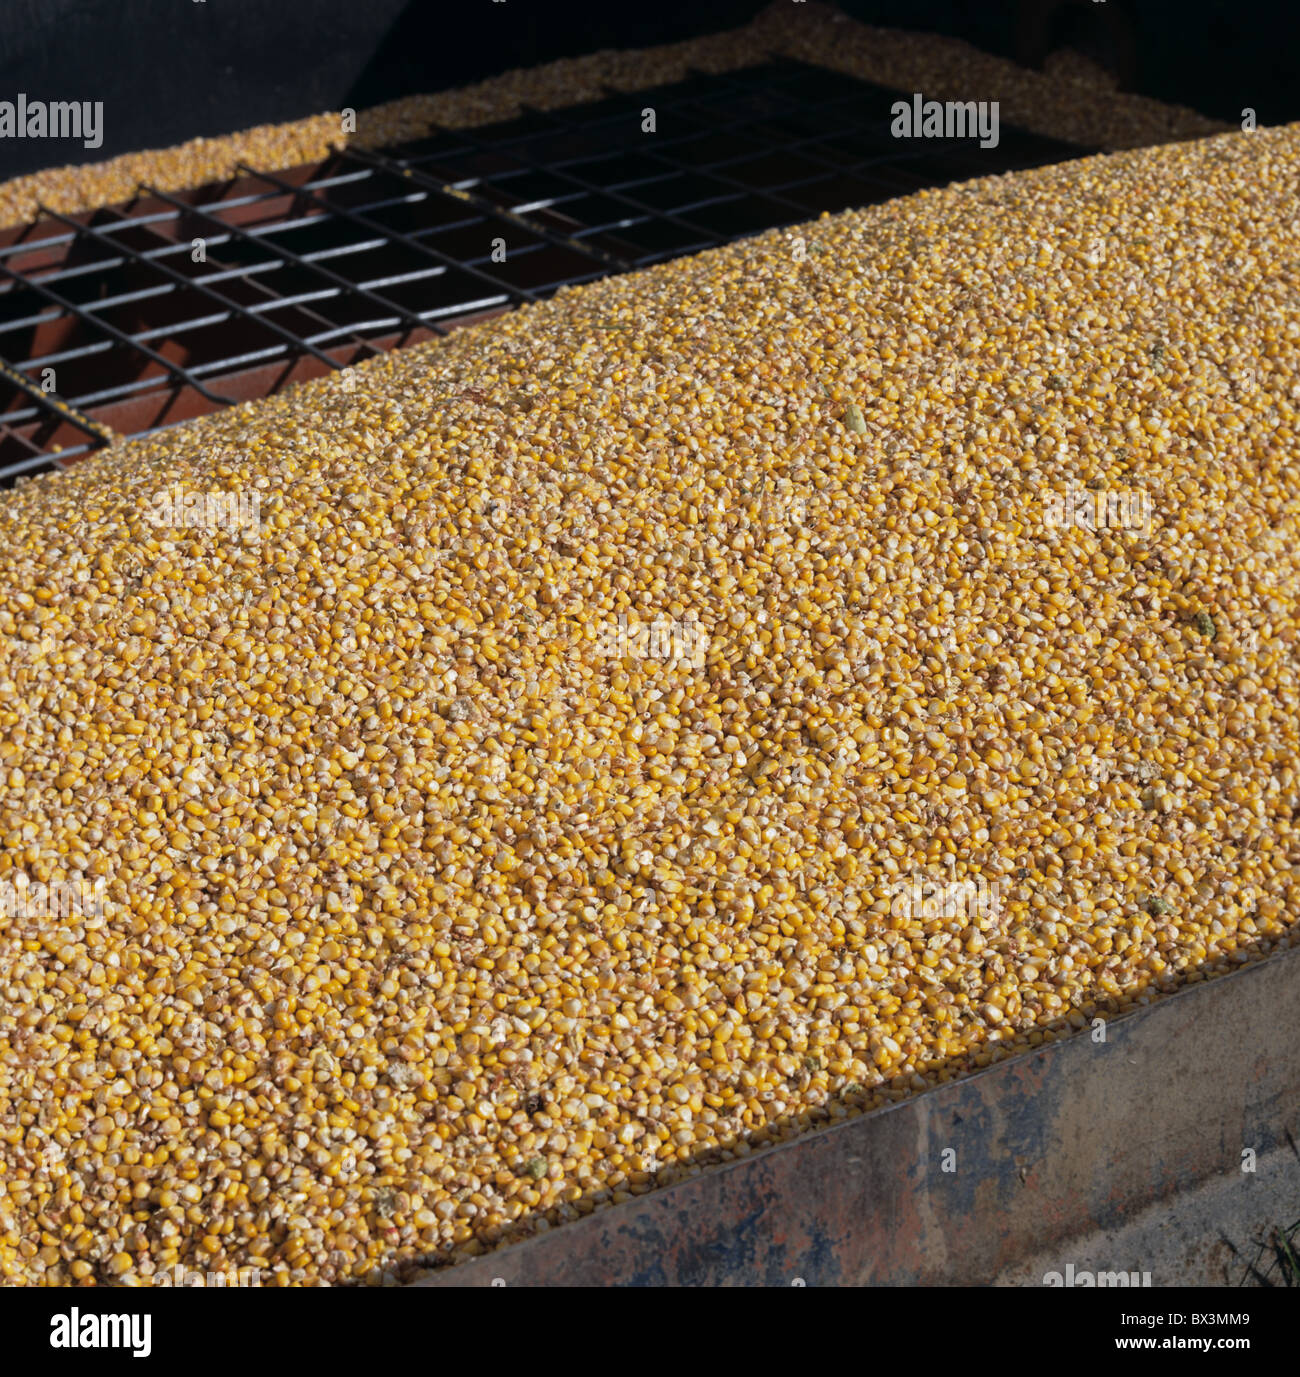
[1068,1140]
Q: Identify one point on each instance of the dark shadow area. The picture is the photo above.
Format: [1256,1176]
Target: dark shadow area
[172,70]
[1213,56]
[432,49]
[1276,1261]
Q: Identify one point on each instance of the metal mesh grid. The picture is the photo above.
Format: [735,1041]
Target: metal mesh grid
[107,320]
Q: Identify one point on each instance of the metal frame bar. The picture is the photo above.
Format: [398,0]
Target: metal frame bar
[189,284]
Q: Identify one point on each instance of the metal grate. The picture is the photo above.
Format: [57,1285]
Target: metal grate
[107,320]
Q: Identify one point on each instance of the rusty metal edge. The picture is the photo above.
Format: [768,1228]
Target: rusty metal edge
[959,1183]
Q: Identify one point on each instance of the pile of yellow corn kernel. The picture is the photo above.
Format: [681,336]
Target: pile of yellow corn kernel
[434,909]
[1073,99]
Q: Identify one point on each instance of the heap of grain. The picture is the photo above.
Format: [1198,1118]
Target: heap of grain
[440,896]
